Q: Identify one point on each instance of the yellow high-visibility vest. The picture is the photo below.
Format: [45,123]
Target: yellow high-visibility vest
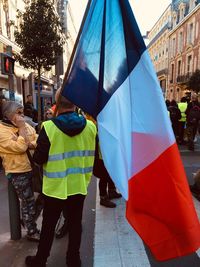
[182,106]
[70,163]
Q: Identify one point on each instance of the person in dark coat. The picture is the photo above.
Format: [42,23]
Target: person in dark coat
[192,118]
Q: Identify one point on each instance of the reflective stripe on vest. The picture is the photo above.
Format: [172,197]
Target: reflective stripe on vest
[67,172]
[70,162]
[71,154]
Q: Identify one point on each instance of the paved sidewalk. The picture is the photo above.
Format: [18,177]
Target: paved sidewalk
[116,243]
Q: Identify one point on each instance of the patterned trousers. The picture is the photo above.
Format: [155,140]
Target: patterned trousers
[22,183]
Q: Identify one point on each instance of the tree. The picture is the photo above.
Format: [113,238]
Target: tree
[194,82]
[40,38]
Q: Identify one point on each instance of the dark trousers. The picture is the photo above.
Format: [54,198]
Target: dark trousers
[51,213]
[191,132]
[104,184]
[181,130]
[175,128]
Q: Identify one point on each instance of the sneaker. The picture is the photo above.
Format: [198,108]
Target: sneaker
[32,261]
[62,231]
[104,201]
[34,237]
[113,194]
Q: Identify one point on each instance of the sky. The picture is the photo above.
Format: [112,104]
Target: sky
[146,12]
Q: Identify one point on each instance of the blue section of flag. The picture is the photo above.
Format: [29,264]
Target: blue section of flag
[109,48]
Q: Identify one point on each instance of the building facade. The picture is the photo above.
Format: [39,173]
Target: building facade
[24,82]
[159,47]
[182,41]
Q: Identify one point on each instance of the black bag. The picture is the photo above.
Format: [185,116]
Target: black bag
[37,174]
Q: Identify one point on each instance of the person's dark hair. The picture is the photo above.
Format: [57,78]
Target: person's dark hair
[35,115]
[28,112]
[167,102]
[173,103]
[183,99]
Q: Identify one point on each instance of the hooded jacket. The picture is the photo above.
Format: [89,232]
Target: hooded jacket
[69,123]
[65,173]
[13,148]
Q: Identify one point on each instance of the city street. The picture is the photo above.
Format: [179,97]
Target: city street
[107,239]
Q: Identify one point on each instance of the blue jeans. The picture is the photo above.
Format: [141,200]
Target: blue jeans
[22,183]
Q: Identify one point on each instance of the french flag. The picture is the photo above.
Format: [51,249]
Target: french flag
[112,78]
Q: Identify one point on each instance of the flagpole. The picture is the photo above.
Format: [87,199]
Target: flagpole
[73,53]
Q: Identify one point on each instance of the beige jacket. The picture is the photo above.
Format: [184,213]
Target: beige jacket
[13,148]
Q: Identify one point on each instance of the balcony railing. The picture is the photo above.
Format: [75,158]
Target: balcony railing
[183,78]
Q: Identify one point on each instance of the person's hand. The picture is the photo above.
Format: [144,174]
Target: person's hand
[31,146]
[14,137]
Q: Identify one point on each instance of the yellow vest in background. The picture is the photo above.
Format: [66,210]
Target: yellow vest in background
[182,107]
[70,163]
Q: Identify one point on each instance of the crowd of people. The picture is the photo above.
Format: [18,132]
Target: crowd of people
[65,145]
[185,120]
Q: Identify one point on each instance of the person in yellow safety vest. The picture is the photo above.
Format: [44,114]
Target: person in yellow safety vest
[66,148]
[182,122]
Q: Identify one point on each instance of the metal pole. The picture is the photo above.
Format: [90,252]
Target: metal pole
[14,213]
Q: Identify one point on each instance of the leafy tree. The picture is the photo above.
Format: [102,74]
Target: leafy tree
[194,82]
[40,38]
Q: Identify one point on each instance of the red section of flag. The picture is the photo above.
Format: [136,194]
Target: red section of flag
[161,210]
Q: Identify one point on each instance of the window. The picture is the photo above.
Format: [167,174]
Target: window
[172,73]
[182,12]
[180,42]
[190,33]
[173,47]
[179,68]
[192,4]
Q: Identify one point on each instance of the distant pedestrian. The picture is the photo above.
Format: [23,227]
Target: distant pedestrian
[66,148]
[193,118]
[29,103]
[175,116]
[28,116]
[182,122]
[16,137]
[48,114]
[167,102]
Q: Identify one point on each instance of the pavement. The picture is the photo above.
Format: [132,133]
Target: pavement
[113,236]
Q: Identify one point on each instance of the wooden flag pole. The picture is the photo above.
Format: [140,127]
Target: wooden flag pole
[73,53]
